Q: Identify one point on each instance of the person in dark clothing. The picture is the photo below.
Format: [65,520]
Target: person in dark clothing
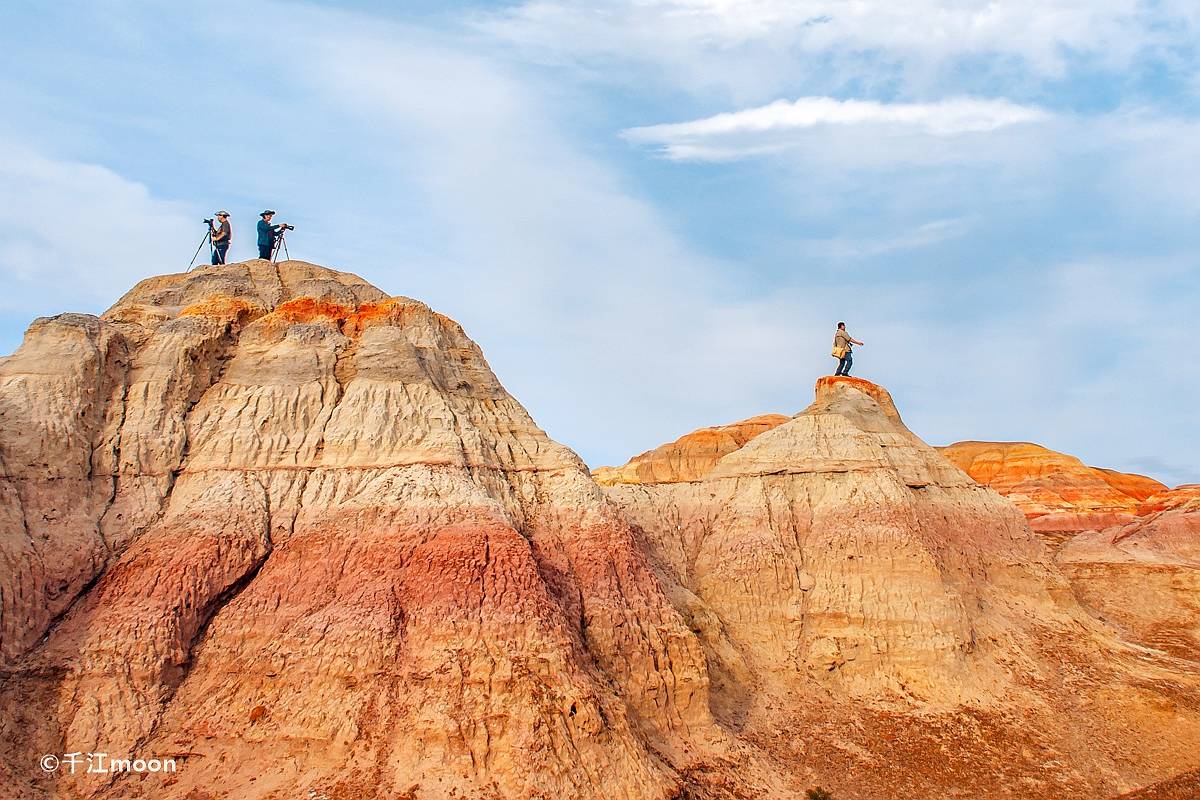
[267,234]
[844,343]
[222,235]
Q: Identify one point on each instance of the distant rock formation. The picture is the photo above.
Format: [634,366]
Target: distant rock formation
[1144,575]
[689,457]
[294,533]
[1057,492]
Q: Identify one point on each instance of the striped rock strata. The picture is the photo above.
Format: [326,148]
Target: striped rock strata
[294,533]
[1057,492]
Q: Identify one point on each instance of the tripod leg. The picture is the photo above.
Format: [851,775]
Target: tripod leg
[207,238]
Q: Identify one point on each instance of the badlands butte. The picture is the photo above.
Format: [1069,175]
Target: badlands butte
[294,534]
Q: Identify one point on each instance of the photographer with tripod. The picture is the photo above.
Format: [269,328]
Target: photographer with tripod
[268,234]
[221,237]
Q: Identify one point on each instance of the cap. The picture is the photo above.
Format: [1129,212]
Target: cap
[221,214]
[268,211]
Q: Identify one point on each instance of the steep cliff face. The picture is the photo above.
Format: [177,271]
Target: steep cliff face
[842,573]
[268,518]
[1057,492]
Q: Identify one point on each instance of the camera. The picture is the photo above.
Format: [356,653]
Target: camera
[209,220]
[288,227]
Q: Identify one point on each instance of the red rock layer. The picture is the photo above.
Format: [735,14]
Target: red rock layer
[689,457]
[1057,492]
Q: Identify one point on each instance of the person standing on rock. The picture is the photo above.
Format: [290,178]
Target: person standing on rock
[267,234]
[222,235]
[843,346]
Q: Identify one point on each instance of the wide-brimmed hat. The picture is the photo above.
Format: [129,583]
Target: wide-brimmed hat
[221,214]
[265,213]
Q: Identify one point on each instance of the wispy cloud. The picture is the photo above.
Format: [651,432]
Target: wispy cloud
[924,235]
[782,124]
[752,46]
[76,231]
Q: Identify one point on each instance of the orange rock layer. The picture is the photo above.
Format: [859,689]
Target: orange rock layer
[1056,492]
[689,457]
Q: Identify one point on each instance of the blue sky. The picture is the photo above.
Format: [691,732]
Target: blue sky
[651,213]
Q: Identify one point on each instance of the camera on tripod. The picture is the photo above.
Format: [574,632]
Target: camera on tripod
[209,220]
[288,227]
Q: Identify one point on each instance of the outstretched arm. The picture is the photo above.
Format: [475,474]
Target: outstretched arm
[856,341]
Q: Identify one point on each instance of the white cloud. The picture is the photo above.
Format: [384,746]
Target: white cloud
[751,46]
[782,124]
[74,231]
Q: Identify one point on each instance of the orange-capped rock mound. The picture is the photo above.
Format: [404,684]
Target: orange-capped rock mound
[1057,492]
[847,581]
[269,521]
[689,457]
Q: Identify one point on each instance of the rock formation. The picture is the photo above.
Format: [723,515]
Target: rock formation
[267,521]
[848,581]
[1057,492]
[689,457]
[1144,576]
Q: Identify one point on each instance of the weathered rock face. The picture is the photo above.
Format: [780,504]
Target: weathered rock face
[294,533]
[689,457]
[269,519]
[1144,576]
[1057,492]
[841,574]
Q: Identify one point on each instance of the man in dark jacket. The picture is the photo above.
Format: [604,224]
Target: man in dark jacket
[222,235]
[267,233]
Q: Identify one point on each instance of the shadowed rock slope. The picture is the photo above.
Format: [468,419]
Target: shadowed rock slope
[294,533]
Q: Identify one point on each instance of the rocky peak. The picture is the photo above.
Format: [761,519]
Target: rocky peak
[260,511]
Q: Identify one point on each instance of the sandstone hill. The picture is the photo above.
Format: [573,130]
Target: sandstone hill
[268,521]
[1057,492]
[858,592]
[294,532]
[689,457]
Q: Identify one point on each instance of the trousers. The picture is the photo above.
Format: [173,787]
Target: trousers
[843,367]
[264,251]
[219,251]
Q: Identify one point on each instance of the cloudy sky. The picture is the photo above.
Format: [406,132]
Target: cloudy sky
[651,213]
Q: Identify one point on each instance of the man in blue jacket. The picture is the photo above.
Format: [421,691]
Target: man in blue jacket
[267,233]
